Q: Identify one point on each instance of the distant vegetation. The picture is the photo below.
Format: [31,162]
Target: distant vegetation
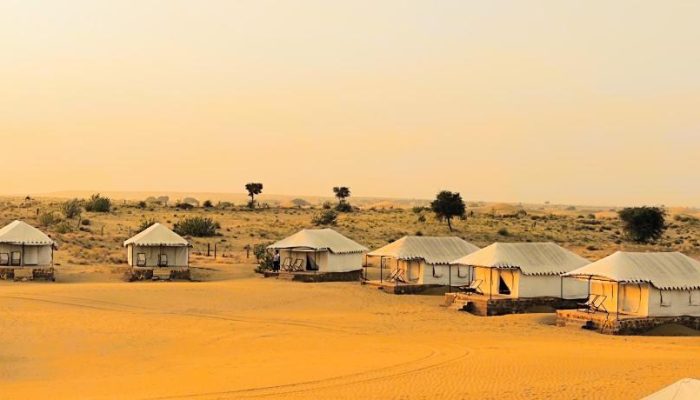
[342,193]
[197,226]
[145,224]
[97,203]
[325,217]
[71,208]
[448,205]
[643,224]
[253,189]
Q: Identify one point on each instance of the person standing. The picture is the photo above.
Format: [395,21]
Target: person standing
[276,261]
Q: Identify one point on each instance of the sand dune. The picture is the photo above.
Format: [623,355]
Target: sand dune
[238,335]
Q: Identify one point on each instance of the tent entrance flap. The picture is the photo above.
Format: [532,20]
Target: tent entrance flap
[502,286]
[311,263]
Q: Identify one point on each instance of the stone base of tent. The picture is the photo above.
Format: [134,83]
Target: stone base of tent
[608,323]
[27,273]
[314,276]
[500,305]
[164,274]
[406,288]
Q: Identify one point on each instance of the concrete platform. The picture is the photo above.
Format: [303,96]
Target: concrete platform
[157,273]
[611,324]
[406,288]
[27,273]
[315,276]
[501,305]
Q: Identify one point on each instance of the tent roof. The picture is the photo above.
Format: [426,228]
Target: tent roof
[530,258]
[685,389]
[319,239]
[434,250]
[157,235]
[669,270]
[19,232]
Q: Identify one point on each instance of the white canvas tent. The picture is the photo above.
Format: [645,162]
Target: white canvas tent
[22,245]
[157,246]
[685,389]
[645,284]
[424,260]
[525,270]
[320,250]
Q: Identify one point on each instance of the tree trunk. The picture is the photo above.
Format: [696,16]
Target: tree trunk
[449,223]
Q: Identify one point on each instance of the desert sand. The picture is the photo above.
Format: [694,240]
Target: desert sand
[237,335]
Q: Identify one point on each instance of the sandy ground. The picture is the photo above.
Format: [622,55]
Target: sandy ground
[238,335]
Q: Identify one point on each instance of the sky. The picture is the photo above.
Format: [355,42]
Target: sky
[577,102]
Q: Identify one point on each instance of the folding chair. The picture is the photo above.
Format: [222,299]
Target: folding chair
[472,287]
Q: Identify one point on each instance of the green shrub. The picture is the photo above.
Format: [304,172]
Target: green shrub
[263,257]
[47,219]
[327,217]
[145,224]
[63,227]
[503,232]
[97,203]
[197,226]
[207,204]
[184,206]
[71,208]
[343,206]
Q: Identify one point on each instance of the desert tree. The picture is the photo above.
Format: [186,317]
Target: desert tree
[448,205]
[253,189]
[643,224]
[342,193]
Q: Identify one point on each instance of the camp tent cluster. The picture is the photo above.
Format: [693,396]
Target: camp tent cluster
[643,285]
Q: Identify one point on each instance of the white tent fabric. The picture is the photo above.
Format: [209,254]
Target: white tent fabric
[21,233]
[319,239]
[434,250]
[530,258]
[157,235]
[685,389]
[665,271]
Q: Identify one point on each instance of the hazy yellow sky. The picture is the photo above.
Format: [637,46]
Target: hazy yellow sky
[593,102]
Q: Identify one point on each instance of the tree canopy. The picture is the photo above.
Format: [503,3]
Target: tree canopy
[643,224]
[253,189]
[448,205]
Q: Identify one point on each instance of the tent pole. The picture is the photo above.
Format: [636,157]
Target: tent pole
[449,278]
[381,269]
[617,303]
[561,283]
[490,283]
[21,260]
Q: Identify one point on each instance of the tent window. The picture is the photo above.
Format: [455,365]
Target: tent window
[665,300]
[462,271]
[16,258]
[502,286]
[162,260]
[4,258]
[695,297]
[141,259]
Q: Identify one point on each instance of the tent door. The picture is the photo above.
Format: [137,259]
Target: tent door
[502,287]
[311,262]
